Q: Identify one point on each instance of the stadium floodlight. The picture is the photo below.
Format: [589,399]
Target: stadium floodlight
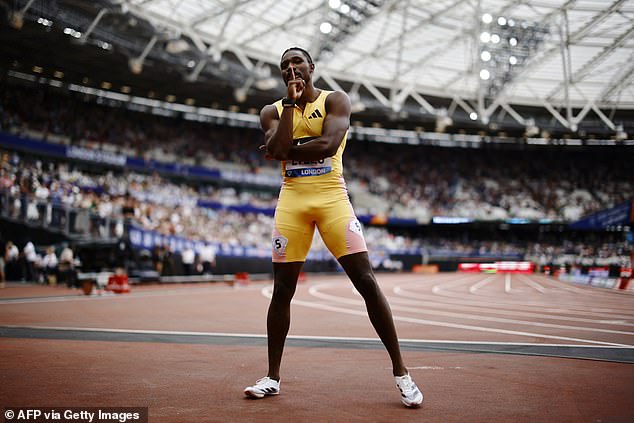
[473,116]
[508,44]
[620,133]
[342,22]
[176,46]
[325,27]
[240,94]
[487,18]
[45,22]
[136,66]
[136,63]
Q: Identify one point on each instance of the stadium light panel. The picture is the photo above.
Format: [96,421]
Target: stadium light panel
[487,18]
[325,27]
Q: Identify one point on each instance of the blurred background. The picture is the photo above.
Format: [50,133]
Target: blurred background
[482,132]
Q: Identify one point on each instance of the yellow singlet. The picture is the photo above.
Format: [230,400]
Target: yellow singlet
[314,194]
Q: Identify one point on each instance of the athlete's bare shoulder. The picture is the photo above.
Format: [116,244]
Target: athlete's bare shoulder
[337,100]
[268,114]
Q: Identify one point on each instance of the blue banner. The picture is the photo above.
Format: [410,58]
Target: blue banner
[620,215]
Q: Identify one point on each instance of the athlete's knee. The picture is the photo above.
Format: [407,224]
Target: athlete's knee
[367,286]
[283,292]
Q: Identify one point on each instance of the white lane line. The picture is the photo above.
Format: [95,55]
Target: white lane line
[507,283]
[311,337]
[484,303]
[128,296]
[515,301]
[436,289]
[314,291]
[478,285]
[268,292]
[533,284]
[433,303]
[607,294]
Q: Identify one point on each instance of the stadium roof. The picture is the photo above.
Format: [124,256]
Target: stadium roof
[571,58]
[553,54]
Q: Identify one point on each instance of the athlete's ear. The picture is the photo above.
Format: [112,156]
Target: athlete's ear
[312,67]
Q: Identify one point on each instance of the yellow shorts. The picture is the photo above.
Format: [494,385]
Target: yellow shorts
[301,208]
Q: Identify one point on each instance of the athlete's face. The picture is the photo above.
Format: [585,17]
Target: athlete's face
[294,62]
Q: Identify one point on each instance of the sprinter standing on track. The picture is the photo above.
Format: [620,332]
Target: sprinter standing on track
[307,132]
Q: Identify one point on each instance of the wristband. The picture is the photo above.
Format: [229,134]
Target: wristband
[286,102]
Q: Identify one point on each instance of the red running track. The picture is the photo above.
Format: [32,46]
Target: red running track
[483,348]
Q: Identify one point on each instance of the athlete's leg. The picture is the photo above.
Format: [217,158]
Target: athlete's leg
[359,270]
[278,320]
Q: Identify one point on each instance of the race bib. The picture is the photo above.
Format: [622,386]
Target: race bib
[313,168]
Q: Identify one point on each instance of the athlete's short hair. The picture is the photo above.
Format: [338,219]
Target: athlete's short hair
[304,52]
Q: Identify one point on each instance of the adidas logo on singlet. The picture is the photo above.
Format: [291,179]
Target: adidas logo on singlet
[315,114]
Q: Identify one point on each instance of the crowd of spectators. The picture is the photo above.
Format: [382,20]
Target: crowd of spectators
[384,179]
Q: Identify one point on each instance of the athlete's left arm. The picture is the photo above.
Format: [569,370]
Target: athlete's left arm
[334,128]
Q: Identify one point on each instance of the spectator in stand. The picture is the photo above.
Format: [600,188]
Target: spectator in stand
[188,257]
[67,273]
[49,266]
[208,258]
[31,259]
[12,263]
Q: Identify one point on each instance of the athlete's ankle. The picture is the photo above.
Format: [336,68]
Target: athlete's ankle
[400,371]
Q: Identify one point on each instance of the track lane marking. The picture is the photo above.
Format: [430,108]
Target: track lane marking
[309,337]
[432,302]
[268,292]
[314,290]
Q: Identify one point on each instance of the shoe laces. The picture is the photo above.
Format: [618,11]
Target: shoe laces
[265,380]
[406,382]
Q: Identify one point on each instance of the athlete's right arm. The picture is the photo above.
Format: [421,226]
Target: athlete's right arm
[278,131]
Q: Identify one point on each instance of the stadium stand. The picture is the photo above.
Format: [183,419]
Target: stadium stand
[398,199]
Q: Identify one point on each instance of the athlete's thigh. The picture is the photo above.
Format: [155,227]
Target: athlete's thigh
[339,227]
[293,231]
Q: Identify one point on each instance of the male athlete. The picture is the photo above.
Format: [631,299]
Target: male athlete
[307,132]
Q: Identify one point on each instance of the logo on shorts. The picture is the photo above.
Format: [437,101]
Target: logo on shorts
[355,226]
[279,245]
